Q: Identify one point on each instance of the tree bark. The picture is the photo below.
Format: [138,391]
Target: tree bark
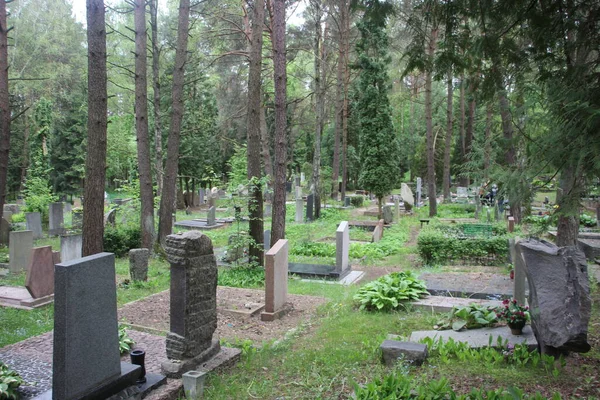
[279,63]
[319,87]
[428,118]
[158,163]
[463,155]
[95,163]
[255,201]
[266,144]
[4,105]
[340,95]
[345,21]
[567,198]
[167,201]
[141,124]
[470,128]
[448,141]
[487,146]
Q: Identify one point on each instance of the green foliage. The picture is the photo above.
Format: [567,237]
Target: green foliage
[9,382]
[512,312]
[242,276]
[468,317]
[388,292]
[357,201]
[38,196]
[313,249]
[584,219]
[442,245]
[121,239]
[18,217]
[125,342]
[238,168]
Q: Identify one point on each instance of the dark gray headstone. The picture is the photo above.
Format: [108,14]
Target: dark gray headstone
[288,187]
[210,218]
[4,232]
[559,295]
[34,224]
[267,240]
[70,247]
[56,219]
[297,181]
[86,337]
[310,199]
[388,216]
[138,264]
[193,294]
[21,243]
[347,201]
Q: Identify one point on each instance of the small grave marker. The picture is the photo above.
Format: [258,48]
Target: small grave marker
[56,219]
[276,275]
[70,247]
[40,274]
[138,264]
[211,219]
[342,247]
[34,224]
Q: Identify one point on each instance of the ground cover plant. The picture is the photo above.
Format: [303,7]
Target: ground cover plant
[9,382]
[390,291]
[472,316]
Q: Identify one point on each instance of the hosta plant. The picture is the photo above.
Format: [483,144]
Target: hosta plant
[468,317]
[388,292]
[9,382]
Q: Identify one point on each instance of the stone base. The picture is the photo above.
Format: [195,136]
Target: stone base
[19,297]
[129,374]
[176,368]
[317,271]
[272,316]
[198,225]
[393,351]
[442,304]
[478,338]
[224,358]
[245,313]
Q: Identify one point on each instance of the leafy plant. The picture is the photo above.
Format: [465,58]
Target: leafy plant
[388,292]
[38,196]
[125,342]
[468,317]
[584,219]
[242,276]
[9,382]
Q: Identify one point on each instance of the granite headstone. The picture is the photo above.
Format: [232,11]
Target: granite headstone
[34,223]
[19,248]
[40,273]
[56,219]
[138,264]
[210,218]
[70,247]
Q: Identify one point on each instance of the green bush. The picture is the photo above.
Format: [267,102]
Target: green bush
[120,240]
[584,219]
[9,382]
[472,316]
[18,217]
[357,201]
[38,196]
[436,246]
[387,292]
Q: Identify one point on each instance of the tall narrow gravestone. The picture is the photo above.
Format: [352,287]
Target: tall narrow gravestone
[21,243]
[70,247]
[210,219]
[299,209]
[34,224]
[56,220]
[276,276]
[86,359]
[193,302]
[419,191]
[342,248]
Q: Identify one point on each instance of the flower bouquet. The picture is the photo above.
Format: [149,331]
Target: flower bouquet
[514,314]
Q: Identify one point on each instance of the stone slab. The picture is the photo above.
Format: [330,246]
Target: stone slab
[40,274]
[591,247]
[276,277]
[85,312]
[442,304]
[19,297]
[349,279]
[197,225]
[70,247]
[316,271]
[56,219]
[478,338]
[342,247]
[250,310]
[394,351]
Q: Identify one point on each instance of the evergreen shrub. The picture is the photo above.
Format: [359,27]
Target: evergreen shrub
[119,240]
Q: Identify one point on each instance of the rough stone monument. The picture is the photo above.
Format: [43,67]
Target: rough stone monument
[559,295]
[138,264]
[193,302]
[276,276]
[34,224]
[407,197]
[56,219]
[378,231]
[388,216]
[19,249]
[70,247]
[210,218]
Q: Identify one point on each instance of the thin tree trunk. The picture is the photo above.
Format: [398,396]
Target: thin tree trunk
[95,163]
[470,129]
[463,155]
[319,87]
[167,201]
[339,106]
[567,197]
[279,63]
[4,105]
[158,164]
[266,144]
[487,146]
[255,201]
[448,141]
[141,124]
[411,125]
[25,155]
[428,119]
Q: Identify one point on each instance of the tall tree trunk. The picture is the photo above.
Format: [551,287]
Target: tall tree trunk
[428,119]
[279,63]
[448,141]
[411,124]
[341,94]
[319,87]
[463,154]
[25,155]
[510,153]
[4,105]
[266,144]
[487,150]
[167,200]
[158,163]
[95,163]
[470,127]
[255,201]
[567,197]
[141,125]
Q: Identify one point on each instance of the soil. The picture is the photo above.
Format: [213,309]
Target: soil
[153,312]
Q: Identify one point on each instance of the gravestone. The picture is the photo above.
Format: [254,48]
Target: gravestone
[86,359]
[310,199]
[347,201]
[212,200]
[299,209]
[520,279]
[33,222]
[70,247]
[407,197]
[193,302]
[342,247]
[110,218]
[511,224]
[201,195]
[19,249]
[419,191]
[276,277]
[297,181]
[267,240]
[7,215]
[288,187]
[138,264]
[397,207]
[4,232]
[559,295]
[210,218]
[56,220]
[40,273]
[388,217]
[378,231]
[268,210]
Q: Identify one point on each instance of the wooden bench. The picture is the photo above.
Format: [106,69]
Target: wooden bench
[424,221]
